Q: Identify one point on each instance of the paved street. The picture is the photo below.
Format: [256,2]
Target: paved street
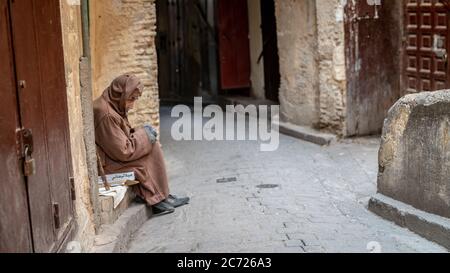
[302,198]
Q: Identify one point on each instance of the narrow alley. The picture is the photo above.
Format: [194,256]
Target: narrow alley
[359,91]
[302,198]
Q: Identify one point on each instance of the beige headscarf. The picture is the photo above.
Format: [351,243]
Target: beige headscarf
[120,90]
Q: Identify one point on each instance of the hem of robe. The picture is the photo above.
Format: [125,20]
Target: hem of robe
[153,200]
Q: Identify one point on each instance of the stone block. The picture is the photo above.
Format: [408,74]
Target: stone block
[414,169]
[415,152]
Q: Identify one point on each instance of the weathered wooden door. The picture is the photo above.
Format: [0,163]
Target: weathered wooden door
[270,50]
[234,45]
[373,55]
[36,203]
[187,50]
[428,43]
[15,229]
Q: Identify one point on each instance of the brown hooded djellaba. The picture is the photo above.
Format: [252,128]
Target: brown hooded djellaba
[125,149]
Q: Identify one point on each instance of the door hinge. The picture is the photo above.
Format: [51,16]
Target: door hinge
[56,215]
[72,189]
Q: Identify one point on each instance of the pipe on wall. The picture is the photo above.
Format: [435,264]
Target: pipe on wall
[85,28]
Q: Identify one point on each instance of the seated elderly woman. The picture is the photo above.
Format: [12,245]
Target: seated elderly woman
[122,148]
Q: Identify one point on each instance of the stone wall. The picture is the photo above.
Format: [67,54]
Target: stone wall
[415,152]
[72,43]
[311,45]
[297,47]
[317,87]
[414,170]
[332,67]
[123,41]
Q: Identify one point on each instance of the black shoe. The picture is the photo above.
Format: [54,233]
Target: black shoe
[178,201]
[163,207]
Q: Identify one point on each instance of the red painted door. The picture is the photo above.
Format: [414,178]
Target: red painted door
[234,48]
[35,89]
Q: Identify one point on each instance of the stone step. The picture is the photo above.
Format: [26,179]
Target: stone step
[430,226]
[305,133]
[115,238]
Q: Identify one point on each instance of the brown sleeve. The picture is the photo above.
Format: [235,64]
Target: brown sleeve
[117,145]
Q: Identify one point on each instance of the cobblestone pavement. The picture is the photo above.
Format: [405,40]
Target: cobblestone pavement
[319,204]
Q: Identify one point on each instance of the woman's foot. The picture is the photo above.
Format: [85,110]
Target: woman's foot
[177,202]
[163,207]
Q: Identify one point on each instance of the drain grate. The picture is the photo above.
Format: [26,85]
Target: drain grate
[226,180]
[268,186]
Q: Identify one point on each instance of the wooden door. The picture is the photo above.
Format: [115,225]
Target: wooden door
[234,45]
[15,229]
[41,104]
[187,50]
[427,38]
[163,46]
[170,42]
[270,50]
[373,56]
